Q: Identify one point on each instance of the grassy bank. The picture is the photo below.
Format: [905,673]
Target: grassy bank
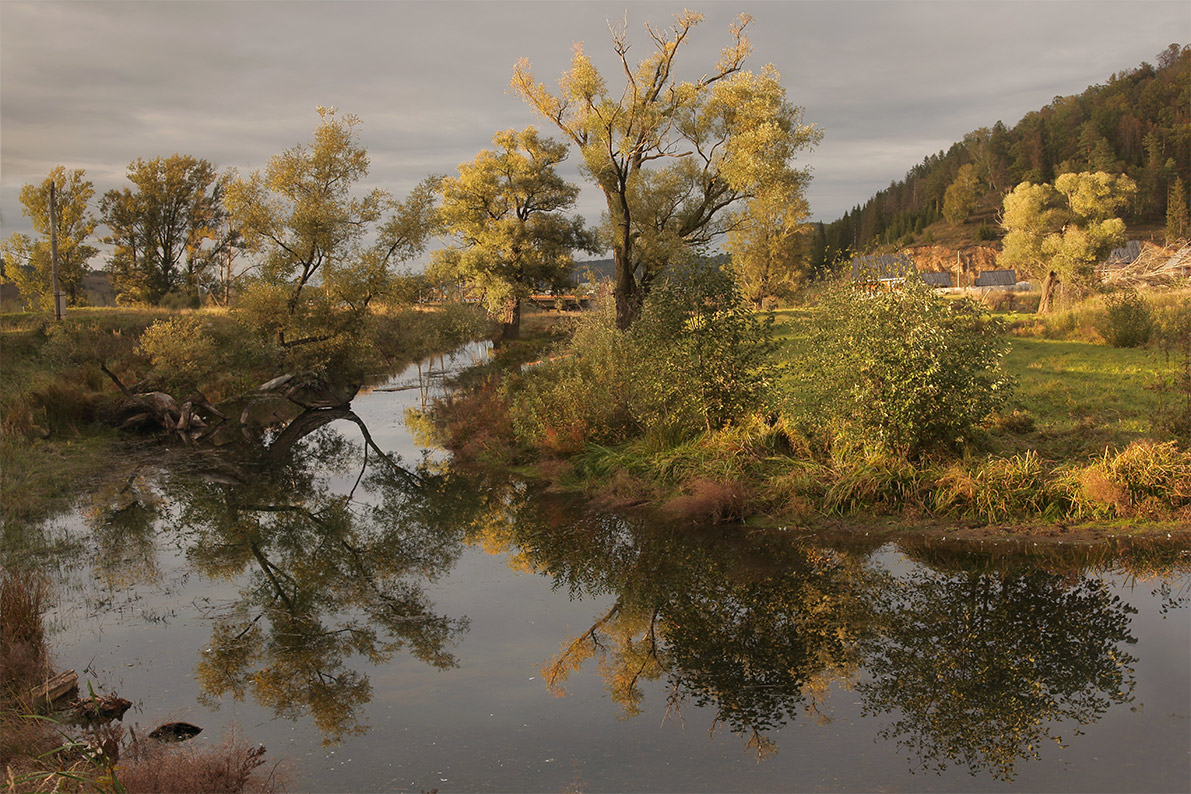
[1083,439]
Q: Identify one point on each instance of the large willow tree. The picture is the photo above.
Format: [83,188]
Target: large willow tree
[675,159]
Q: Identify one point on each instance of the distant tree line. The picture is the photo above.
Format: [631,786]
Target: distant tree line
[1138,124]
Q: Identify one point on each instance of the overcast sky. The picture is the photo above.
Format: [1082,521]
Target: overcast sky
[97,84]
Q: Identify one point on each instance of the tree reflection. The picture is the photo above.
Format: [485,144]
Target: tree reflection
[122,514]
[980,669]
[755,629]
[337,542]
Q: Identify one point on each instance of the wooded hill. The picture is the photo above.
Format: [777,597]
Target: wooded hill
[1137,123]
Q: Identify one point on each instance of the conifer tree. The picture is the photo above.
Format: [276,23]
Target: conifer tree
[1178,215]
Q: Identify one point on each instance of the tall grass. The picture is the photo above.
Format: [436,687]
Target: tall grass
[24,657]
[1144,480]
[997,490]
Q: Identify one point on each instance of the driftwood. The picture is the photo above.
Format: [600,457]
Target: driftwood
[1154,266]
[158,411]
[100,708]
[309,390]
[57,688]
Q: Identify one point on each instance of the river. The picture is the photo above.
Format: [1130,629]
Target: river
[404,626]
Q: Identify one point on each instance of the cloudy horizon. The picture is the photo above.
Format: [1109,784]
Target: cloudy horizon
[96,85]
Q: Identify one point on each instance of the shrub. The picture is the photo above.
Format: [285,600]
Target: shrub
[905,371]
[1128,320]
[180,349]
[704,353]
[586,394]
[698,358]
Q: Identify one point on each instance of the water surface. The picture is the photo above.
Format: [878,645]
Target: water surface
[397,624]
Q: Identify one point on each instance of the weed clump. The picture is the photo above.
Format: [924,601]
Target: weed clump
[996,490]
[1145,480]
[230,767]
[1128,320]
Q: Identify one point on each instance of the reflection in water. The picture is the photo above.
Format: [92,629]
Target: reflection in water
[964,660]
[755,629]
[122,515]
[331,575]
[979,669]
[976,668]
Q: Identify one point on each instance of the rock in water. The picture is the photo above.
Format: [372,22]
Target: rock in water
[175,732]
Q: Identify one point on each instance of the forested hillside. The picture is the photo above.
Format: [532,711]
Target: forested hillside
[1137,123]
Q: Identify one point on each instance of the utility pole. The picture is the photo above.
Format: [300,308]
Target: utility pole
[59,298]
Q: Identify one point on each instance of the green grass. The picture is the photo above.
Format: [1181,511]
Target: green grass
[1083,397]
[1039,460]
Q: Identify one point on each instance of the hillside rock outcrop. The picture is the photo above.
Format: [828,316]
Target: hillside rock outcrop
[964,264]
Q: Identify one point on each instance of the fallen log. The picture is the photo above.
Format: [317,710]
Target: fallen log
[57,688]
[158,410]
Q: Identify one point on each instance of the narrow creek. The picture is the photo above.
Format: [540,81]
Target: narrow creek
[416,627]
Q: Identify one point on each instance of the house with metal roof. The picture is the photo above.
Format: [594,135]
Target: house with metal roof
[996,278]
[939,280]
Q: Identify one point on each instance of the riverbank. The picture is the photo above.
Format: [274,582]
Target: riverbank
[1085,447]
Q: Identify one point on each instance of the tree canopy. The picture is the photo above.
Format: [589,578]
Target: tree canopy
[506,211]
[159,228]
[1066,227]
[672,158]
[769,246]
[305,220]
[27,261]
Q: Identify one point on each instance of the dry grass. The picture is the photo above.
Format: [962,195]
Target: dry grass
[24,659]
[230,767]
[710,500]
[1144,480]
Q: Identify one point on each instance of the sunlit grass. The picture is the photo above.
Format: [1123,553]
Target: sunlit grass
[1082,397]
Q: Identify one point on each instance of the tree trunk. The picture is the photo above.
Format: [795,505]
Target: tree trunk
[1046,304]
[628,298]
[510,325]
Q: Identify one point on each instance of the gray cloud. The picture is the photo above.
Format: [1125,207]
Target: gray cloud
[98,84]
